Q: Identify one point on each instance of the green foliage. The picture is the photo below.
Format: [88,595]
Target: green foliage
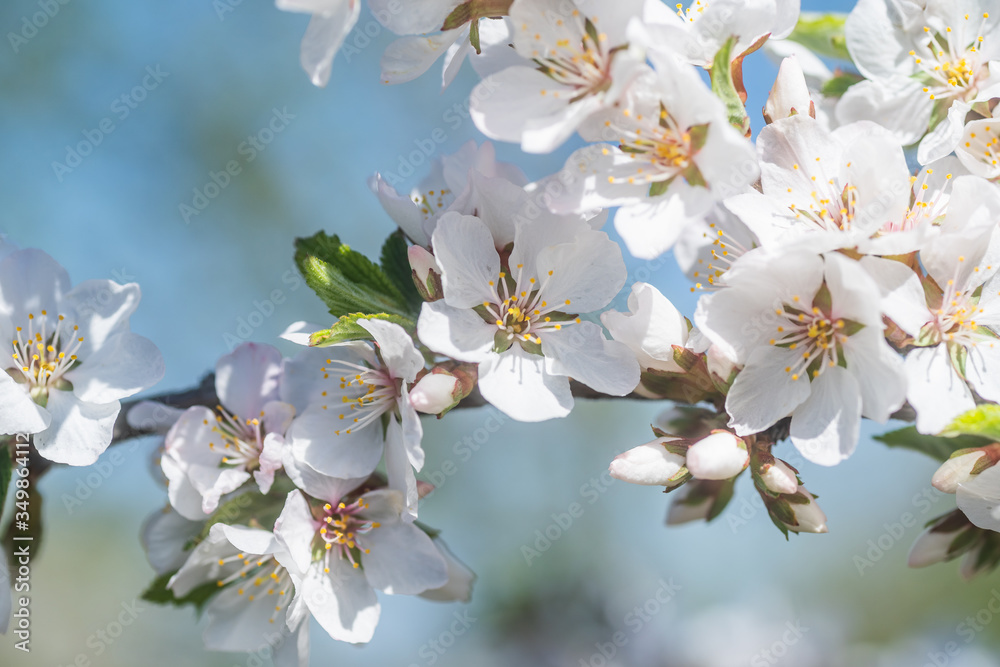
[347,329]
[158,593]
[838,85]
[823,34]
[982,421]
[725,89]
[396,265]
[346,281]
[939,447]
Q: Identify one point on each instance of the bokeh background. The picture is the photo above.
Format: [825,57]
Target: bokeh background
[741,594]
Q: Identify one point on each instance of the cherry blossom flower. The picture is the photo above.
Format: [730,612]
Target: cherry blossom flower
[342,549]
[448,187]
[676,155]
[949,320]
[518,317]
[354,406]
[849,188]
[257,597]
[582,64]
[808,330]
[919,63]
[71,358]
[208,454]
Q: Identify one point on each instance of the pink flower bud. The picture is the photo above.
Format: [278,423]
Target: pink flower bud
[435,393]
[956,470]
[650,464]
[719,456]
[779,478]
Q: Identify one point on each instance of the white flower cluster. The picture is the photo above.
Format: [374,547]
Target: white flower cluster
[847,261]
[839,282]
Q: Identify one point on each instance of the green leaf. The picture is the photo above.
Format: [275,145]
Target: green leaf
[823,34]
[396,265]
[723,495]
[6,473]
[347,329]
[936,446]
[838,85]
[158,593]
[982,421]
[725,89]
[346,281]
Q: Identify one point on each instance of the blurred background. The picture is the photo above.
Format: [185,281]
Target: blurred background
[614,588]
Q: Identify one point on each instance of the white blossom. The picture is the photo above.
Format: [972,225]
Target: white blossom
[71,358]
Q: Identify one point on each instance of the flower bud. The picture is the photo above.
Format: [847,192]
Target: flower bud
[778,477]
[721,455]
[651,464]
[809,518]
[460,578]
[435,393]
[929,548]
[426,273]
[956,470]
[790,94]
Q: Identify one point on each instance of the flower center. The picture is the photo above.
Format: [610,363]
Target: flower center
[816,333]
[44,352]
[954,320]
[264,571]
[949,61]
[830,206]
[365,393]
[341,530]
[664,148]
[584,66]
[242,440]
[923,207]
[433,202]
[519,308]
